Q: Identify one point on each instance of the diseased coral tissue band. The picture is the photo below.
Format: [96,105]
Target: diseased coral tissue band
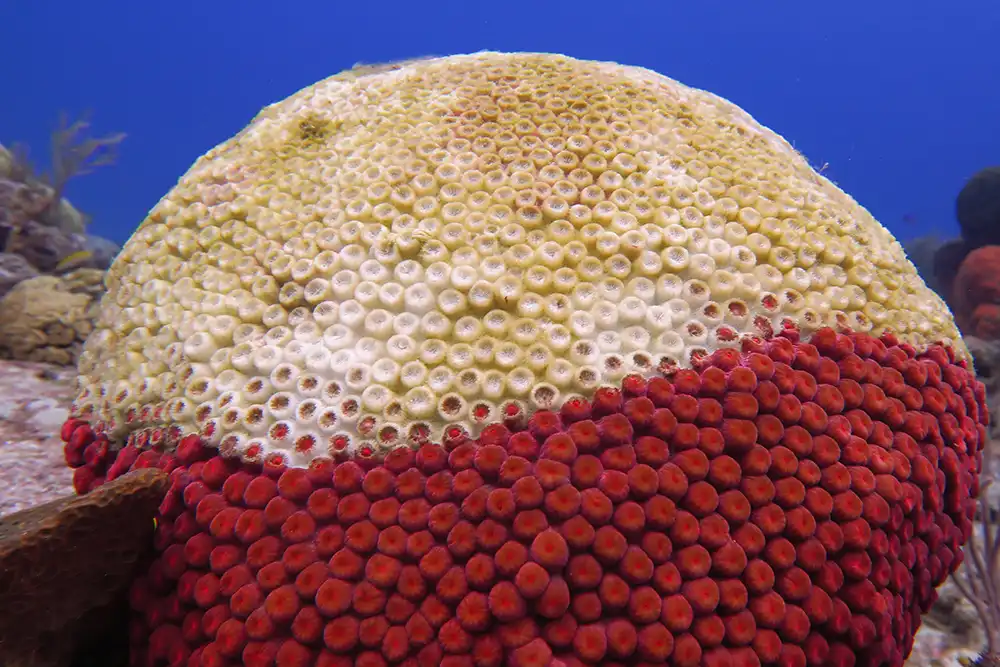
[792,504]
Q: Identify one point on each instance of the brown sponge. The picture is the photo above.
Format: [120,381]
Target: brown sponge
[66,566]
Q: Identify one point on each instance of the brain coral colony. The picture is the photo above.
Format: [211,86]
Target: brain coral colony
[513,359]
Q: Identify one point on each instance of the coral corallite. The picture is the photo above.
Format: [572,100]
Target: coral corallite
[512,359]
[309,586]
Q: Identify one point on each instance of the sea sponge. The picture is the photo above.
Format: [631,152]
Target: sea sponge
[66,566]
[976,293]
[521,359]
[393,251]
[48,318]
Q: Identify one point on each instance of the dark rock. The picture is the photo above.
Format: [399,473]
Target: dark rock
[978,208]
[921,251]
[104,251]
[13,269]
[947,260]
[45,246]
[986,359]
[65,217]
[21,190]
[21,201]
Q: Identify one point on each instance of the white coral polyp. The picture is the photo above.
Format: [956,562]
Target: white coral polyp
[392,251]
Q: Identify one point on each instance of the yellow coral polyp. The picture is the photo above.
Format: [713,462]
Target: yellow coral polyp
[396,249]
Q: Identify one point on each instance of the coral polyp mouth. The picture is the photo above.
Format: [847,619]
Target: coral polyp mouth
[388,254]
[515,358]
[790,503]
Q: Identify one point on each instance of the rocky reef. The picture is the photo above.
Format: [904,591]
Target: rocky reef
[50,269]
[48,318]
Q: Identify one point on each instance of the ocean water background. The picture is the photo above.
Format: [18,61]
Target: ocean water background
[900,99]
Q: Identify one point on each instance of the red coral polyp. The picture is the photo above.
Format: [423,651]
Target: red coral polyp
[795,504]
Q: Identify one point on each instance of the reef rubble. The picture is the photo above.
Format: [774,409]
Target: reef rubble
[34,401]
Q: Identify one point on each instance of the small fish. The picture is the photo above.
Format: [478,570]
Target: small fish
[910,219]
[74,260]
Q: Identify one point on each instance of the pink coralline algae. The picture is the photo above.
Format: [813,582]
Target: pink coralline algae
[791,503]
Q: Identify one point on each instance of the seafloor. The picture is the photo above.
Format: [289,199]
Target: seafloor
[34,402]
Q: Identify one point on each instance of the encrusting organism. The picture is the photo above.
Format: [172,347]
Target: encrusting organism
[975,295]
[66,565]
[515,359]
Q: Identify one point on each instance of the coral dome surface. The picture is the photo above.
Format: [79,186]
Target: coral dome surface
[398,249]
[515,359]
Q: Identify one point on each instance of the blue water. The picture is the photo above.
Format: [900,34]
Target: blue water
[900,98]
